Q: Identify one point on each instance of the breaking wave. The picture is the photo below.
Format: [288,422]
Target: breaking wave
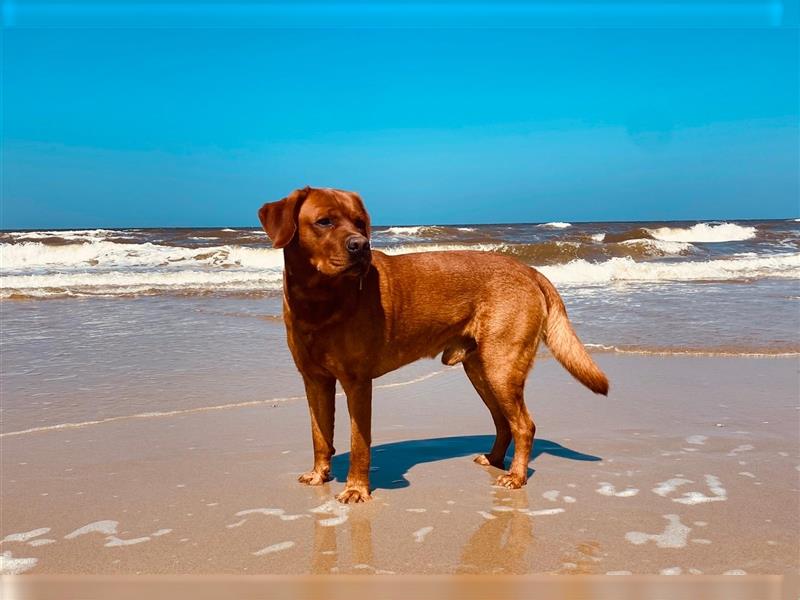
[626,269]
[555,225]
[705,232]
[199,261]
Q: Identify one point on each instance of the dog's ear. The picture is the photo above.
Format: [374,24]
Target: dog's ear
[279,219]
[355,196]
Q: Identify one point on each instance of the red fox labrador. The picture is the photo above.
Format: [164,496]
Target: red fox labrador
[353,313]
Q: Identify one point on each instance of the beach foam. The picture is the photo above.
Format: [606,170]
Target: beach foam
[705,232]
[15,566]
[419,534]
[25,536]
[675,534]
[625,269]
[555,225]
[279,547]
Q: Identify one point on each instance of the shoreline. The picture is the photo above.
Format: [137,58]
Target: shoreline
[215,491]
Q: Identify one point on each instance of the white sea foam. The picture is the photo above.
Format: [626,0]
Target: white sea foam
[101,254]
[161,532]
[742,448]
[14,566]
[79,235]
[113,541]
[106,527]
[419,534]
[274,512]
[99,266]
[25,536]
[608,489]
[543,512]
[704,232]
[410,231]
[625,269]
[670,485]
[719,493]
[698,440]
[332,507]
[413,248]
[661,247]
[126,282]
[674,535]
[274,548]
[555,225]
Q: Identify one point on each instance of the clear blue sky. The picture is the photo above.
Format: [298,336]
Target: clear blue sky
[114,127]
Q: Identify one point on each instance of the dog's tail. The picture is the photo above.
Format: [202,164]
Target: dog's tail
[564,343]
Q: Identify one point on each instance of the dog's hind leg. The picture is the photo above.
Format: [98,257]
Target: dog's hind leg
[506,384]
[496,456]
[507,345]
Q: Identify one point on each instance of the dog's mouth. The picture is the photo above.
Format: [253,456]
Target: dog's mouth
[353,266]
[359,265]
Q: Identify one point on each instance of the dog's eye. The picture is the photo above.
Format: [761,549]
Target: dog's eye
[324,222]
[360,224]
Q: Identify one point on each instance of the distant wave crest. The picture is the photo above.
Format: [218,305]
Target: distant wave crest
[705,232]
[555,225]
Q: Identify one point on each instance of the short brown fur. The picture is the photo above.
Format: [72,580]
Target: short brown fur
[353,316]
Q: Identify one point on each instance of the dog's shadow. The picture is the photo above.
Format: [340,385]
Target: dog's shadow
[391,462]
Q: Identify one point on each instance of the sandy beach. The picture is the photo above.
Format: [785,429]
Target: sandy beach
[691,466]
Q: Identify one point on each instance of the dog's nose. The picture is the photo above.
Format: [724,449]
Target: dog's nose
[357,244]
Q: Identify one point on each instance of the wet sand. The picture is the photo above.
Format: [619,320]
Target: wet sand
[690,467]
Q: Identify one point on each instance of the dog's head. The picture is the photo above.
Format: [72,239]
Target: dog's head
[328,228]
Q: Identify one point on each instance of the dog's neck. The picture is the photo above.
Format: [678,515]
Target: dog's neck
[315,299]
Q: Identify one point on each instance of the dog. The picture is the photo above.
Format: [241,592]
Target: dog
[353,313]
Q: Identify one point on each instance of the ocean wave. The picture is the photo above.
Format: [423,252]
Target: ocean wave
[628,270]
[424,231]
[555,225]
[705,352]
[408,231]
[661,247]
[28,256]
[704,232]
[126,283]
[67,234]
[104,267]
[413,248]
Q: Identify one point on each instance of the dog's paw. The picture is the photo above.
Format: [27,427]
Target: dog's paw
[353,495]
[314,478]
[510,481]
[486,461]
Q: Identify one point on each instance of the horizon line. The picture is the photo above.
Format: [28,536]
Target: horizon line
[383,226]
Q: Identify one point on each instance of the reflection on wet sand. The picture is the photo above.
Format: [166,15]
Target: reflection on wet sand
[325,558]
[501,543]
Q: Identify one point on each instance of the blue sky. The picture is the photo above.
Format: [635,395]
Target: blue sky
[144,126]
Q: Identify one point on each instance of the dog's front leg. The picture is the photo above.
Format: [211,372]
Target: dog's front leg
[321,394]
[359,404]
